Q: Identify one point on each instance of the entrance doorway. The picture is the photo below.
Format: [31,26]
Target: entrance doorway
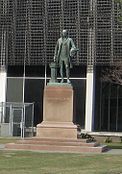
[17,123]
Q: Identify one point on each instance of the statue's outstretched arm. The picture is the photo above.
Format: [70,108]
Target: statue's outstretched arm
[72,44]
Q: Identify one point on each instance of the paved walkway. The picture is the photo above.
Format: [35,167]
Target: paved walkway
[114,152]
[2,146]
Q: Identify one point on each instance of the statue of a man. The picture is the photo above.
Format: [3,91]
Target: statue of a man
[64,50]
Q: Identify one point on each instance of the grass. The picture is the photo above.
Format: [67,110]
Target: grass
[25,162]
[116,145]
[4,140]
[21,162]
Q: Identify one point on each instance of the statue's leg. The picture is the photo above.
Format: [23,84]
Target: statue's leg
[61,72]
[67,71]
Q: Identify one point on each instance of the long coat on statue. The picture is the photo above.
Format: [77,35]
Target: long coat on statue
[69,46]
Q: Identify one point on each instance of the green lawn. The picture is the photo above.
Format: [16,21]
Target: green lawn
[116,145]
[21,162]
[4,140]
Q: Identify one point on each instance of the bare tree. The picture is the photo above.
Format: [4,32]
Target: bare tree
[119,10]
[113,74]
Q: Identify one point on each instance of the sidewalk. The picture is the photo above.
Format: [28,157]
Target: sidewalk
[114,152]
[2,146]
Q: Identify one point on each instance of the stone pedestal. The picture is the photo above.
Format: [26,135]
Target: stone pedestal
[57,113]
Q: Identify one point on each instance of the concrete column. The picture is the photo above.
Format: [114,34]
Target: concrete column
[2,85]
[90,89]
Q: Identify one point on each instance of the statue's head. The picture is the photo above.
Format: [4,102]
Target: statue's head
[64,33]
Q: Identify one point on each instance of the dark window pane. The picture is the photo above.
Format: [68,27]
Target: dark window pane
[34,93]
[14,90]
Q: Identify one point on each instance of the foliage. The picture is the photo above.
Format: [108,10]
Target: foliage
[119,10]
[87,136]
[84,135]
[113,74]
[108,140]
[121,139]
[4,140]
[115,145]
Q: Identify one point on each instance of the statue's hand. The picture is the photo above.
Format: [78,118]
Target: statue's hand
[55,60]
[73,52]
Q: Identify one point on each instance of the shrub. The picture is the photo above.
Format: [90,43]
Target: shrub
[108,140]
[120,139]
[87,136]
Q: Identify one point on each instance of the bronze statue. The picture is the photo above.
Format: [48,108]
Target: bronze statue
[65,49]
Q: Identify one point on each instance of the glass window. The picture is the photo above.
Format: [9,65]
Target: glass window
[108,108]
[34,93]
[14,90]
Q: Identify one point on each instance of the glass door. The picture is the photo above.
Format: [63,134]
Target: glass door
[17,122]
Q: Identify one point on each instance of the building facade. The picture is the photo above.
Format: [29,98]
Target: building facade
[29,30]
